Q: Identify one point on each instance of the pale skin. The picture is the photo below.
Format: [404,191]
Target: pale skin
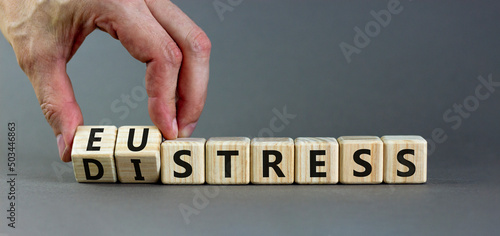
[45,34]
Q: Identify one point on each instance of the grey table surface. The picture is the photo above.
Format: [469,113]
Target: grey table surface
[269,56]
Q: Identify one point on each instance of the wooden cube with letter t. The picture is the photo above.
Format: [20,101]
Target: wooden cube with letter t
[183,161]
[405,159]
[272,161]
[361,160]
[137,154]
[228,160]
[316,161]
[93,154]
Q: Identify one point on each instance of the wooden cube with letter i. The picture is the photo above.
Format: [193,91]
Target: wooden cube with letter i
[137,154]
[93,154]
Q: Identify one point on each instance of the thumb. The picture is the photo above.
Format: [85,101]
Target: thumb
[55,93]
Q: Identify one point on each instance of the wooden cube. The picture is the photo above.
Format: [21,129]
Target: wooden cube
[228,160]
[316,161]
[361,160]
[137,154]
[272,161]
[93,154]
[405,159]
[183,161]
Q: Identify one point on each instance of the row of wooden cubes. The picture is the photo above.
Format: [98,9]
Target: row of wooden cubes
[138,154]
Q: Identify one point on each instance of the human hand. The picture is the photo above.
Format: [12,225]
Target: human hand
[45,34]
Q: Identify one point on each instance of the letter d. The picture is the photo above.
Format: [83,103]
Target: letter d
[380,20]
[100,169]
[360,35]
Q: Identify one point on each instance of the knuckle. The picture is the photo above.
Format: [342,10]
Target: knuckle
[50,111]
[173,54]
[199,43]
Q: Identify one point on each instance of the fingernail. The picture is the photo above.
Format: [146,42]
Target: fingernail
[61,145]
[188,130]
[175,128]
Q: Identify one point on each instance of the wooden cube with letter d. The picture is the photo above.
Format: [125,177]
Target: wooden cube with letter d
[93,154]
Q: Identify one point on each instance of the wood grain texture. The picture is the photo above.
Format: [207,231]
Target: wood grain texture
[216,172]
[196,161]
[101,151]
[349,145]
[285,146]
[394,144]
[327,167]
[145,154]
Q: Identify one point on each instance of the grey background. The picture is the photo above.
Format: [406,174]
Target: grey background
[267,55]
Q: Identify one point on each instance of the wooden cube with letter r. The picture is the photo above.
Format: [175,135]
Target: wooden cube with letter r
[405,159]
[272,160]
[93,154]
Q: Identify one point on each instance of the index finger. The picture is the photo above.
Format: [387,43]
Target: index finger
[147,41]
[194,72]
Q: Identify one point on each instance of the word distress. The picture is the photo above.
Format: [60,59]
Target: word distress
[138,154]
